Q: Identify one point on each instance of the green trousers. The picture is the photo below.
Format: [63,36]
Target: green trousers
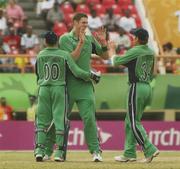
[86,107]
[51,109]
[85,100]
[139,97]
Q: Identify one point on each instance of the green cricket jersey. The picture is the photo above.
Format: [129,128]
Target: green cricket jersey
[140,63]
[51,67]
[69,41]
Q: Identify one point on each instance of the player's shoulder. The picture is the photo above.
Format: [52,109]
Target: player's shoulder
[90,37]
[63,52]
[132,50]
[65,36]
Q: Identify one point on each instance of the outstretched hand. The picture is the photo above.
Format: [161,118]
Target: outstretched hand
[100,36]
[111,48]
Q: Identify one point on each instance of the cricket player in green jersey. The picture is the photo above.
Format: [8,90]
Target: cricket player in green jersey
[51,68]
[140,63]
[81,47]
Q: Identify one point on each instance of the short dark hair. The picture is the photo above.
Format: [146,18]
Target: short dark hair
[142,35]
[78,16]
[51,38]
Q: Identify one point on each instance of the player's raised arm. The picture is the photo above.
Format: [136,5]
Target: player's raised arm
[100,43]
[117,60]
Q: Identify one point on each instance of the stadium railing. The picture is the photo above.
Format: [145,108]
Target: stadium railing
[105,114]
[23,60]
[101,66]
[118,114]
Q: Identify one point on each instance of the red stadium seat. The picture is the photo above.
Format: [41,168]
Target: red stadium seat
[68,20]
[132,9]
[108,3]
[83,8]
[67,8]
[116,9]
[59,28]
[138,21]
[92,2]
[124,2]
[99,9]
[125,7]
[131,38]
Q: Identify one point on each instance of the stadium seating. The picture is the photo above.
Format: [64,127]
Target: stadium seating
[67,8]
[92,1]
[60,28]
[124,2]
[108,3]
[68,19]
[137,19]
[83,8]
[100,6]
[133,9]
[99,9]
[116,9]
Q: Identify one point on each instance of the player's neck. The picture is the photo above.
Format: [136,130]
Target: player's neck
[51,46]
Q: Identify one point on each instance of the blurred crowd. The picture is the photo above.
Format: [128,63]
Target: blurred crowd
[16,36]
[168,64]
[8,113]
[118,16]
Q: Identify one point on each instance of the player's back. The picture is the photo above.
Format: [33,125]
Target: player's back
[51,67]
[144,64]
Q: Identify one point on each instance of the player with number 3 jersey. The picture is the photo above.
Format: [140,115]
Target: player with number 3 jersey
[140,63]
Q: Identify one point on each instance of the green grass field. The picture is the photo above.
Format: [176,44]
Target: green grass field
[82,160]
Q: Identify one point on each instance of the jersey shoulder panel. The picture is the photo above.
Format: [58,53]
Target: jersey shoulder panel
[63,53]
[64,37]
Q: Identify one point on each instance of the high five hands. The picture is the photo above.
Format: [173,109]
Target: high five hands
[111,48]
[100,36]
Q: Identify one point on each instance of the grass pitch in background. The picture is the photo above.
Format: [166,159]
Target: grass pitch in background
[82,160]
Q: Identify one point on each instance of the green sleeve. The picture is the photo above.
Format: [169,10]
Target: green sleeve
[65,43]
[127,57]
[76,70]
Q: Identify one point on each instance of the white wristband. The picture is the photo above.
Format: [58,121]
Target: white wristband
[112,60]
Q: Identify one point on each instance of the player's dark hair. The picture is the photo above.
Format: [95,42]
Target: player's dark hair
[51,38]
[78,16]
[142,35]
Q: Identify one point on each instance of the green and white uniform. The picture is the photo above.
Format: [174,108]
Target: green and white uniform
[81,92]
[140,63]
[51,70]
